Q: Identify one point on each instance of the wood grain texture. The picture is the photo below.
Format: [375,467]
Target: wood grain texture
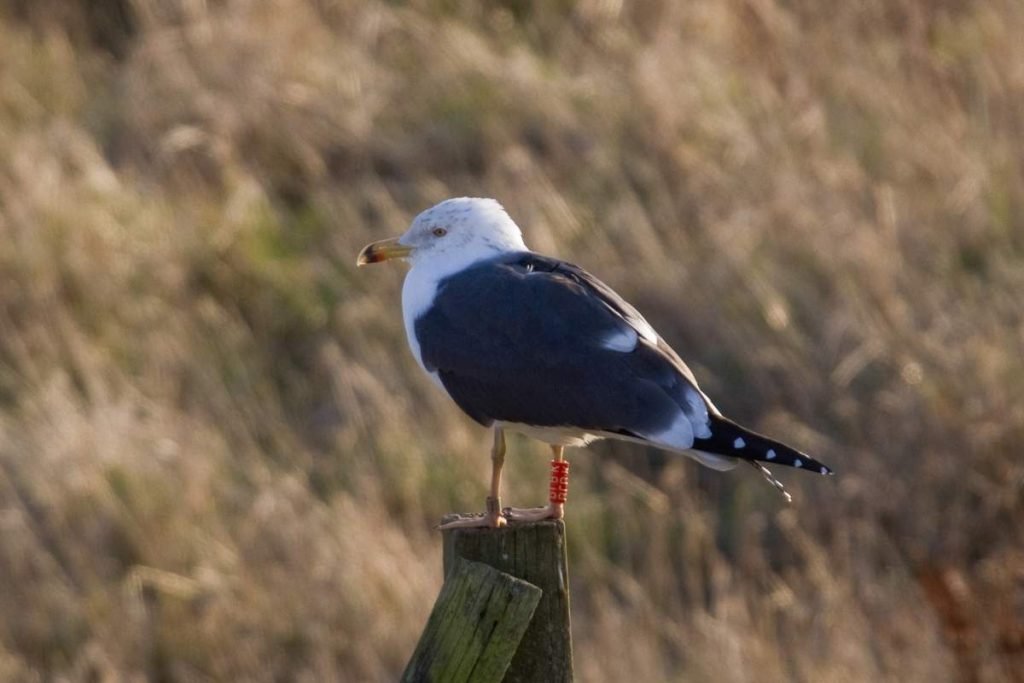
[475,627]
[533,552]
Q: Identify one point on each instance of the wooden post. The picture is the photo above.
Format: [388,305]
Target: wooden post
[475,628]
[535,553]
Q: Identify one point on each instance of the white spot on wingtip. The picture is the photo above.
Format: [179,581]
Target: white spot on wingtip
[771,454]
[739,442]
[798,463]
[824,470]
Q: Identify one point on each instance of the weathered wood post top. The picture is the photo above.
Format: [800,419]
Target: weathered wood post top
[533,552]
[503,612]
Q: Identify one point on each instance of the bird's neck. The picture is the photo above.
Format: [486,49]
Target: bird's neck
[433,267]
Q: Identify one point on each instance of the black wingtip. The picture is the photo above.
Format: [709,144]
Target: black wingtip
[730,439]
[812,465]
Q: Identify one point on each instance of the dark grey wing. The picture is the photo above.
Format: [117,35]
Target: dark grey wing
[623,308]
[534,340]
[723,437]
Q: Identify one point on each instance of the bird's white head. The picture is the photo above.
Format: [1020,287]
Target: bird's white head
[451,236]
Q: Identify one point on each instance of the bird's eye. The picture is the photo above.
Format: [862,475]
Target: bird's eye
[439,232]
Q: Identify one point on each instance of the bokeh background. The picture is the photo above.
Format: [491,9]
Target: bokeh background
[218,460]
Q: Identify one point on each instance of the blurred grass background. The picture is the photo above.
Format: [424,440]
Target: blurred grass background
[218,460]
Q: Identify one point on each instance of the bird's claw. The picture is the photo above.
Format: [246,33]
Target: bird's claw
[492,519]
[481,520]
[549,511]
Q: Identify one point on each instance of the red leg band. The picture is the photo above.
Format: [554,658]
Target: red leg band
[559,489]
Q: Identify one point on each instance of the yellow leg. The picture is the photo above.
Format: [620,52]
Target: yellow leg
[493,516]
[497,462]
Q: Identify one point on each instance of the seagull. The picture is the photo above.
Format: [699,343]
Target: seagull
[532,344]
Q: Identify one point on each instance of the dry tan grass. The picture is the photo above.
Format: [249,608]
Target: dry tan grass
[219,462]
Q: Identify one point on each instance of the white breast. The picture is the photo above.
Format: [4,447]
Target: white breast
[417,296]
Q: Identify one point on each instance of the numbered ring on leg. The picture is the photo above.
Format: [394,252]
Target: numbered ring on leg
[559,489]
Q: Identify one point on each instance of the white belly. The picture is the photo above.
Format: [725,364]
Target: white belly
[557,436]
[571,436]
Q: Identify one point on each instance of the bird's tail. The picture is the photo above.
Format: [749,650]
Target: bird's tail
[731,440]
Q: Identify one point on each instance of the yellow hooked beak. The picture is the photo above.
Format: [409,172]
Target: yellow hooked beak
[384,250]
